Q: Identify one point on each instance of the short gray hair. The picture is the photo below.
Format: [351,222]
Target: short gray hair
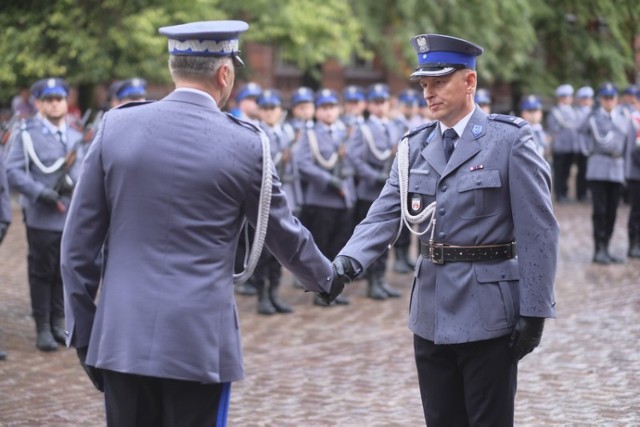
[195,67]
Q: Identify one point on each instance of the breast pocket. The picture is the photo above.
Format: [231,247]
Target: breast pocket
[498,294]
[422,190]
[480,194]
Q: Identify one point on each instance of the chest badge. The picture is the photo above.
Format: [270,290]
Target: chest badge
[416,202]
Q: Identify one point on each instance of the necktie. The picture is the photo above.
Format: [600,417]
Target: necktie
[450,135]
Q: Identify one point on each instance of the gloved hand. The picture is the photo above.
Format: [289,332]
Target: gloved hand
[336,184]
[94,374]
[49,196]
[344,268]
[4,226]
[526,336]
[337,286]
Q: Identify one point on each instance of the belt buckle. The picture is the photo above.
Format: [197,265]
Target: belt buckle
[436,253]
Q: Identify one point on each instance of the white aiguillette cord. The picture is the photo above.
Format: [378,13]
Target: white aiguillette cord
[406,219]
[262,221]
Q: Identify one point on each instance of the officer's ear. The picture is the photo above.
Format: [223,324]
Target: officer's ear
[225,75]
[470,81]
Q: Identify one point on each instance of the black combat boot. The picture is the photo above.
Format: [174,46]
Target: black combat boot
[402,265]
[57,330]
[374,288]
[634,247]
[389,290]
[44,337]
[264,302]
[246,288]
[278,304]
[612,259]
[600,256]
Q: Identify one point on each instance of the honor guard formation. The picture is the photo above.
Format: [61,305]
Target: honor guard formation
[152,215]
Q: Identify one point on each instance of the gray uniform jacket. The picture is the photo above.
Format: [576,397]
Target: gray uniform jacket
[495,189]
[317,177]
[562,127]
[632,162]
[369,167]
[169,183]
[29,180]
[609,135]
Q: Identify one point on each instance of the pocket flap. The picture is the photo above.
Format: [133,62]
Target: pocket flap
[421,182]
[494,272]
[478,179]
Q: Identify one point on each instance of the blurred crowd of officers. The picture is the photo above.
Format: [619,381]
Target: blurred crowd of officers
[333,152]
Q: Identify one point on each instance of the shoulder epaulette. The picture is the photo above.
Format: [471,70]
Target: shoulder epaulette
[243,123]
[133,104]
[504,118]
[418,129]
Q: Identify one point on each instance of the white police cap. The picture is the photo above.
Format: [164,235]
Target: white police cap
[206,38]
[439,55]
[564,90]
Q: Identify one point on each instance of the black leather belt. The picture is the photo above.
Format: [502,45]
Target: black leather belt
[439,253]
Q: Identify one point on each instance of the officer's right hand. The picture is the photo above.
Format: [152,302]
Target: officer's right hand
[336,184]
[526,336]
[49,196]
[344,268]
[52,198]
[94,374]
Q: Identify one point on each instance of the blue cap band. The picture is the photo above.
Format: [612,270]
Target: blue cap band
[439,57]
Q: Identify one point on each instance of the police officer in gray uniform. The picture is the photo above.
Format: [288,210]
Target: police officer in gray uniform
[324,165]
[372,149]
[170,183]
[128,90]
[41,167]
[5,214]
[476,187]
[610,132]
[562,127]
[632,167]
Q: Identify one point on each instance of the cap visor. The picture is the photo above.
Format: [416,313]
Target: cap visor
[237,61]
[432,73]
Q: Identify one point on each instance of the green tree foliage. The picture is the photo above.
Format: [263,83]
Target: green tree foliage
[531,45]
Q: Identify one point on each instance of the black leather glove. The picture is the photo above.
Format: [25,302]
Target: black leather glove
[336,184]
[526,336]
[49,196]
[94,374]
[337,286]
[4,226]
[344,268]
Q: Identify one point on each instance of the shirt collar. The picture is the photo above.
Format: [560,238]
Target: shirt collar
[458,127]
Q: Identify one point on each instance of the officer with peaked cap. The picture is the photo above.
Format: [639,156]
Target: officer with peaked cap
[531,111]
[562,127]
[371,151]
[584,104]
[123,91]
[354,107]
[42,165]
[632,174]
[325,167]
[247,102]
[609,132]
[474,185]
[628,98]
[483,99]
[168,185]
[303,110]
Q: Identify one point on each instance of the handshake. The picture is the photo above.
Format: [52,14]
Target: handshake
[343,273]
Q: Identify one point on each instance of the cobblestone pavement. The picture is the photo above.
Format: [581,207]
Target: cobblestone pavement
[353,366]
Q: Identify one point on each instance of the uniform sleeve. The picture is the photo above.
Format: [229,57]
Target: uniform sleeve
[536,228]
[17,175]
[82,240]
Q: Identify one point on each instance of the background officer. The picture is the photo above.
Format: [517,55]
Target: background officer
[372,149]
[325,167]
[42,167]
[247,102]
[171,191]
[632,167]
[609,131]
[562,127]
[531,111]
[5,214]
[354,107]
[476,309]
[129,90]
[483,99]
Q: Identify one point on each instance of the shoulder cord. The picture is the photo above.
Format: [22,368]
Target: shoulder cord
[262,221]
[406,218]
[368,137]
[30,153]
[313,145]
[602,140]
